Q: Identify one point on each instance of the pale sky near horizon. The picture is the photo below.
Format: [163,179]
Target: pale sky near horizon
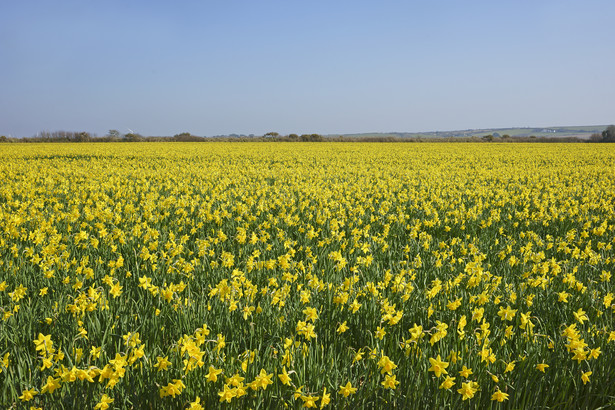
[249,67]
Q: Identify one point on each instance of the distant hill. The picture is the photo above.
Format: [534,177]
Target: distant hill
[581,131]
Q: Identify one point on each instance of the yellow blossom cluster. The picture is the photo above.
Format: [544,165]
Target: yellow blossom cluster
[221,275]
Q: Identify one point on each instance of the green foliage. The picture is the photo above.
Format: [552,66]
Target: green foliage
[133,137]
[608,135]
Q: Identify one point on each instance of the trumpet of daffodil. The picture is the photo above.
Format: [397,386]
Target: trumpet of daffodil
[499,396]
[309,401]
[162,363]
[212,375]
[104,402]
[28,395]
[44,344]
[580,354]
[477,314]
[116,290]
[95,352]
[416,332]
[386,365]
[132,339]
[226,394]
[263,379]
[580,315]
[468,390]
[355,306]
[51,385]
[542,367]
[453,305]
[172,389]
[284,377]
[525,321]
[4,362]
[240,390]
[507,313]
[608,300]
[447,383]
[594,353]
[119,361]
[440,333]
[390,382]
[196,404]
[310,314]
[220,342]
[47,363]
[465,372]
[235,380]
[347,390]
[326,398]
[509,367]
[438,366]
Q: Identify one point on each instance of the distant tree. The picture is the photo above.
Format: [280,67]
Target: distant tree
[80,136]
[133,137]
[184,136]
[3,138]
[311,137]
[115,134]
[608,135]
[271,134]
[43,136]
[187,137]
[595,137]
[488,138]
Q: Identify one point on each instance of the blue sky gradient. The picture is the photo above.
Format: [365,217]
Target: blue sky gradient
[220,67]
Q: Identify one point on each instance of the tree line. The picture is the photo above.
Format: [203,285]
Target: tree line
[608,135]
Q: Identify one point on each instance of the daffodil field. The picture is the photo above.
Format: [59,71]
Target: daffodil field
[336,275]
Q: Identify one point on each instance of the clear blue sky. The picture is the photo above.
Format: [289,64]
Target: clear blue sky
[225,66]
